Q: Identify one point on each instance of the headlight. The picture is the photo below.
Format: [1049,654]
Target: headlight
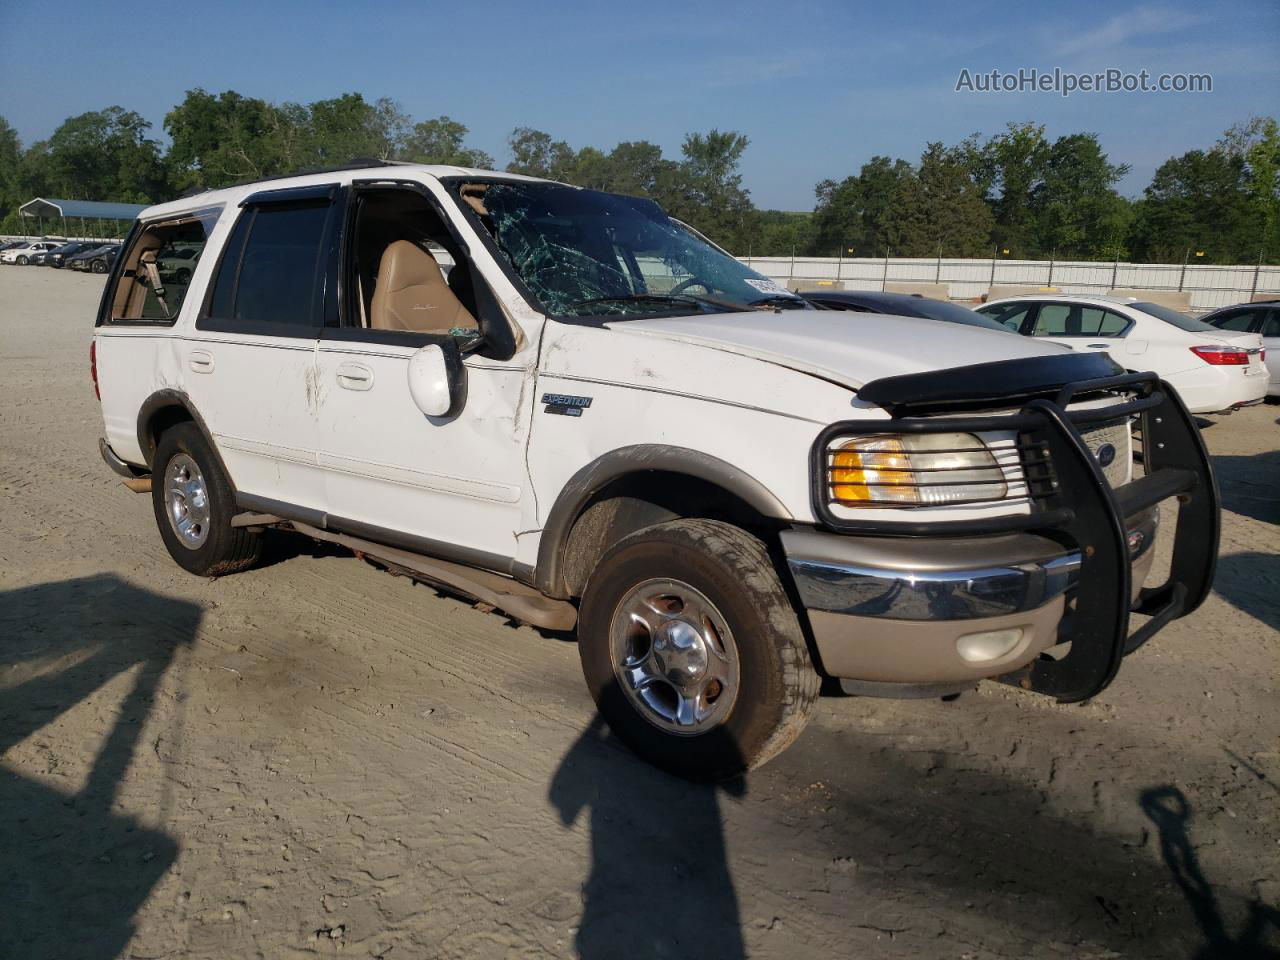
[921,469]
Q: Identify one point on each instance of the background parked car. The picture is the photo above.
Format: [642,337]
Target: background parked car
[22,255]
[12,244]
[57,256]
[900,305]
[76,261]
[98,260]
[1214,371]
[177,263]
[1261,318]
[41,257]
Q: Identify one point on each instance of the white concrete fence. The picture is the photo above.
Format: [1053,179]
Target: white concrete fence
[1204,287]
[1207,287]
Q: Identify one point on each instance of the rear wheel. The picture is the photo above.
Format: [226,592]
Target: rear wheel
[692,650]
[194,504]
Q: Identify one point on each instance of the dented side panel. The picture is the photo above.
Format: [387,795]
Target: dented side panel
[757,417]
[459,480]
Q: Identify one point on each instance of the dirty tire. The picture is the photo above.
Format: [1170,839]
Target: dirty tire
[226,549]
[777,686]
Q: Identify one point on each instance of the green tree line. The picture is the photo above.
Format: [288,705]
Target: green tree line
[1018,194]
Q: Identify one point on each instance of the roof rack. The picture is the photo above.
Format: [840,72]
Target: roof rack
[356,163]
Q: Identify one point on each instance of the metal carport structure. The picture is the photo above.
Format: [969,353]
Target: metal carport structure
[93,213]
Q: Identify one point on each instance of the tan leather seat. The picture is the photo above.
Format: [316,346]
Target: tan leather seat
[411,294]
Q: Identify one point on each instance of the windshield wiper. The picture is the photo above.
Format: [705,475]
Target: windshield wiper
[778,300]
[652,298]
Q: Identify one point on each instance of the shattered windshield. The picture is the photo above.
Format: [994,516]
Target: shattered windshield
[586,253]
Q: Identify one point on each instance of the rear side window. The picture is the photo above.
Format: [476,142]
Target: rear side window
[1272,327]
[158,266]
[273,271]
[1076,320]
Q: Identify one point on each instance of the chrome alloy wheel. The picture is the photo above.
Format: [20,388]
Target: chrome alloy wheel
[674,657]
[186,501]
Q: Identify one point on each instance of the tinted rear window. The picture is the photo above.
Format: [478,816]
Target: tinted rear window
[1169,315]
[279,273]
[272,270]
[1238,321]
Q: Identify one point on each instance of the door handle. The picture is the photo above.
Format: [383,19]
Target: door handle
[201,361]
[1098,346]
[354,376]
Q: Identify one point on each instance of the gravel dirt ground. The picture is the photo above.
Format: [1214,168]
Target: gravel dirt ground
[317,758]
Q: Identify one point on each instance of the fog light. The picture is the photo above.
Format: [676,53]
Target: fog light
[989,645]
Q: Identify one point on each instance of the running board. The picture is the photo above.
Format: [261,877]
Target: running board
[510,596]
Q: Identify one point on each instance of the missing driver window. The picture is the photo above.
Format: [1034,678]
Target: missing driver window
[158,269]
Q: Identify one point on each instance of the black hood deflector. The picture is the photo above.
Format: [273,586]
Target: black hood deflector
[982,385]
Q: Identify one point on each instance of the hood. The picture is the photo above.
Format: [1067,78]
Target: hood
[850,349]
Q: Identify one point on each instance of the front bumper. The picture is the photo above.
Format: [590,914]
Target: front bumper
[900,610]
[994,594]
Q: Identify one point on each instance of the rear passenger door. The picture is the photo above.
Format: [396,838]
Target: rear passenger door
[249,366]
[1087,328]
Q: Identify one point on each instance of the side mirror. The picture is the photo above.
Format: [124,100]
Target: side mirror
[438,380]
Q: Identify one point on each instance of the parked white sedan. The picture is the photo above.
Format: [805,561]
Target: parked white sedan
[20,255]
[1213,370]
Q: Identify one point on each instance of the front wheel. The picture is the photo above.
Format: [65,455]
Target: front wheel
[99,266]
[194,504]
[23,261]
[693,651]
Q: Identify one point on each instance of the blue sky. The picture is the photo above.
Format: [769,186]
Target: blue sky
[818,87]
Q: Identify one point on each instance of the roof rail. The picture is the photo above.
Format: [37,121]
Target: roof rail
[356,163]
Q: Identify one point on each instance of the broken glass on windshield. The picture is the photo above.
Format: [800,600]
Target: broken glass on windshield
[588,253]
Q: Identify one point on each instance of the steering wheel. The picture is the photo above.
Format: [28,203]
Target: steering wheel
[685,284]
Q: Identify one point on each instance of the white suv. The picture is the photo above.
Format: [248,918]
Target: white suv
[599,420]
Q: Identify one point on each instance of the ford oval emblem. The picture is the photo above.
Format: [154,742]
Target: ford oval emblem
[1106,454]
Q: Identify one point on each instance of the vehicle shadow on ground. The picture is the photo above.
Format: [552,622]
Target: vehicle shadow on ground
[279,546]
[921,845]
[659,884]
[1251,582]
[937,844]
[74,871]
[1167,808]
[1250,486]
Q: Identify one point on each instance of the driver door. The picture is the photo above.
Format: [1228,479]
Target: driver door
[448,486]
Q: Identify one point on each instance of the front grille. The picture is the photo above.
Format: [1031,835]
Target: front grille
[1118,435]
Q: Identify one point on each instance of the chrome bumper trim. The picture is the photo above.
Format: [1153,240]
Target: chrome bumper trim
[959,594]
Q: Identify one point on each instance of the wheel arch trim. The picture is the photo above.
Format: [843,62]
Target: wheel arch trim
[638,459]
[167,399]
